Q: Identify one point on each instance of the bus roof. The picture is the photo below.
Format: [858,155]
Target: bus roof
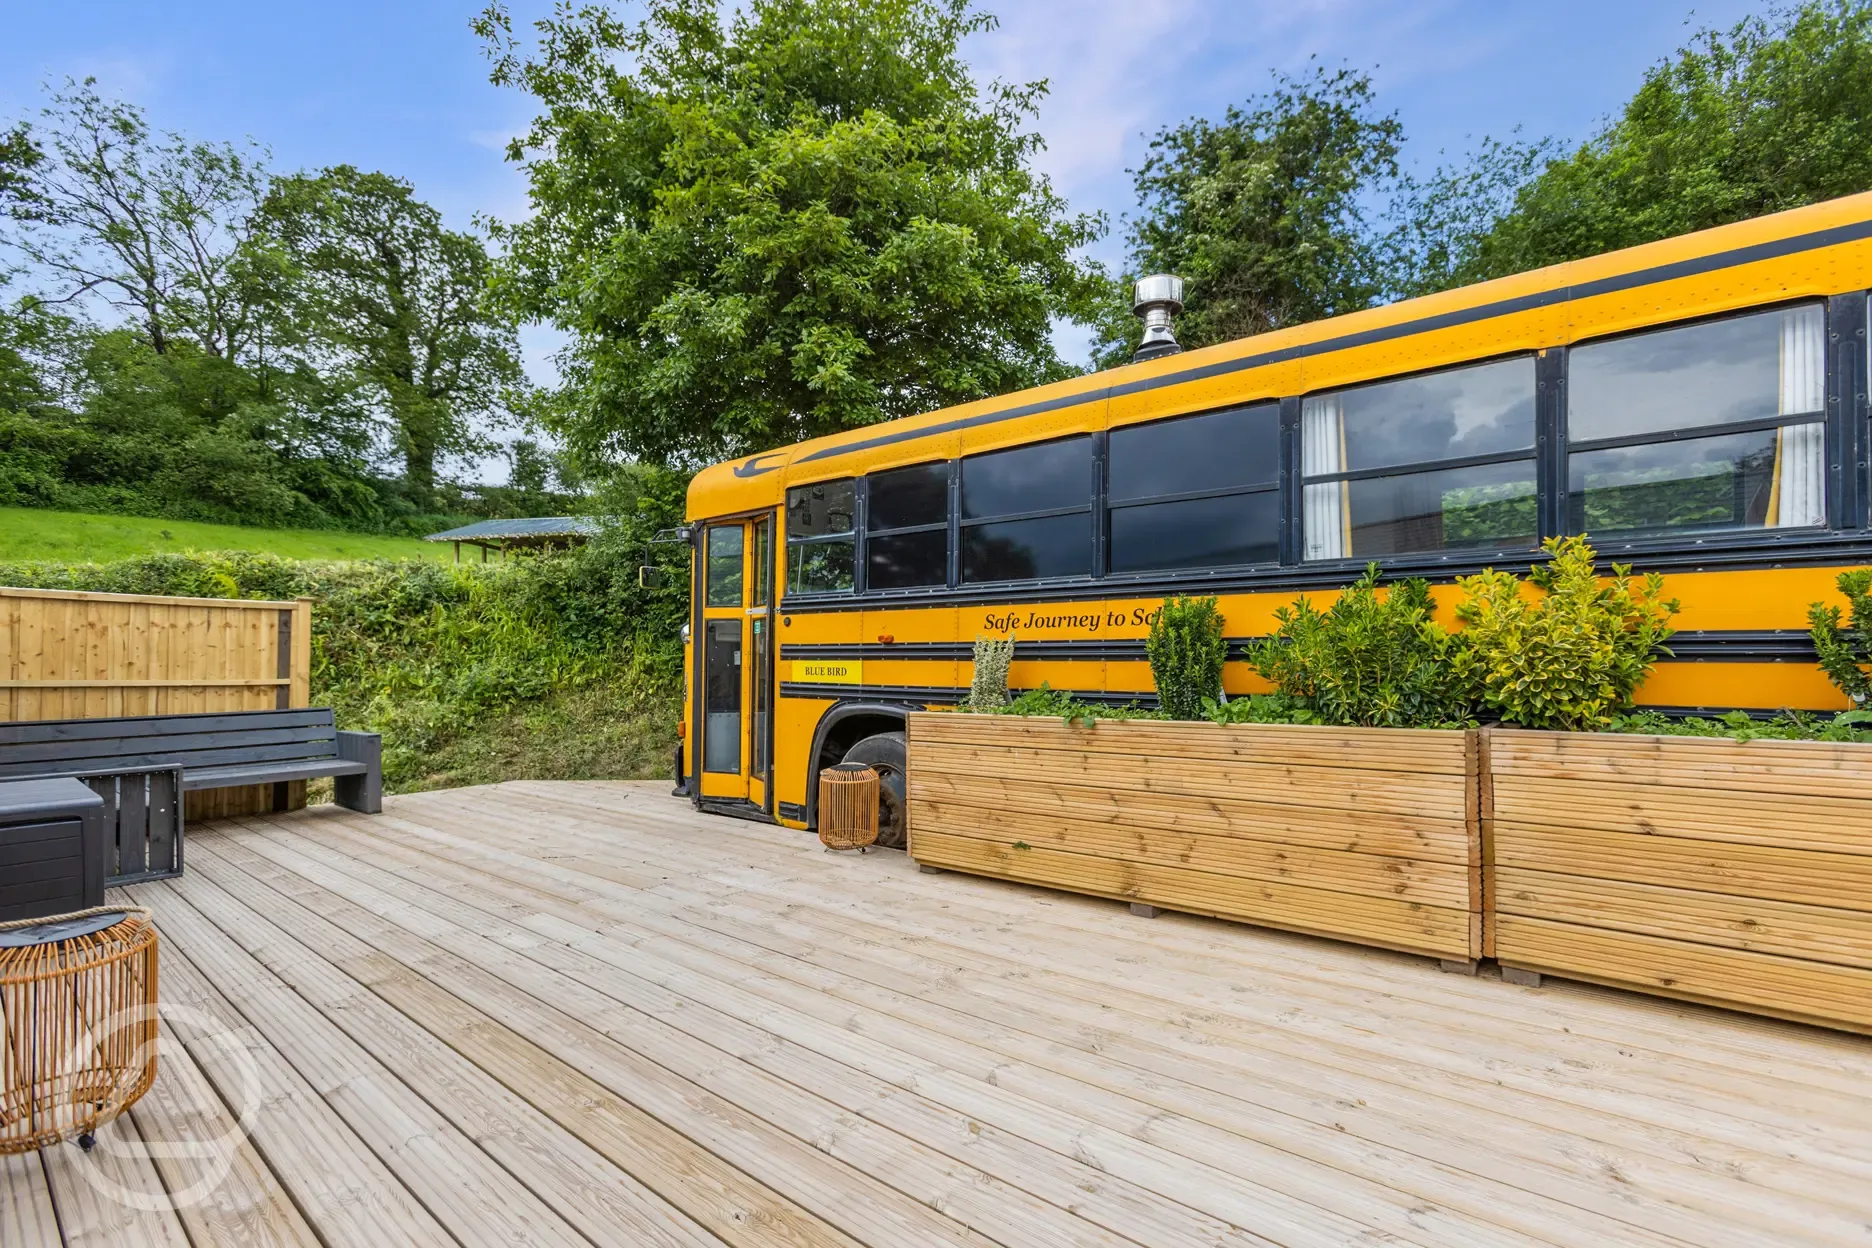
[1626,289]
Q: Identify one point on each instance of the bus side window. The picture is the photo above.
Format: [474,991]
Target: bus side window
[1377,471]
[907,527]
[821,537]
[1027,512]
[1195,492]
[1717,425]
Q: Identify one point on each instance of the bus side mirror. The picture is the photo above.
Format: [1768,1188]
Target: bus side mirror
[651,577]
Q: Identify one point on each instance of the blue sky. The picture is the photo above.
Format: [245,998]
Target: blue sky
[401,85]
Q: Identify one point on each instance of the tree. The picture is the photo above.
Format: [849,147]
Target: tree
[803,220]
[1772,114]
[1262,214]
[394,309]
[152,224]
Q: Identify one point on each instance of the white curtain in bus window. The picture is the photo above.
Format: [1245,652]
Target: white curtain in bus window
[1325,519]
[1439,461]
[1800,455]
[1700,428]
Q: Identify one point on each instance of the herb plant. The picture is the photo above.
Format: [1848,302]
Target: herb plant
[988,687]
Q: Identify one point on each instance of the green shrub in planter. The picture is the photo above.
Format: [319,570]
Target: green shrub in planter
[1373,659]
[1186,652]
[1570,657]
[1845,652]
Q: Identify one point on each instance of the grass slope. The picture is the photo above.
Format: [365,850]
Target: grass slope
[69,536]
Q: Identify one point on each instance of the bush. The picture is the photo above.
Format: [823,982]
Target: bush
[1845,652]
[1186,653]
[426,652]
[1372,659]
[1570,658]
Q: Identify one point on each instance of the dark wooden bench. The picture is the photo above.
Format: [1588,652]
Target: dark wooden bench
[142,764]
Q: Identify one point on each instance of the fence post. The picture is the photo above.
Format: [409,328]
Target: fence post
[302,653]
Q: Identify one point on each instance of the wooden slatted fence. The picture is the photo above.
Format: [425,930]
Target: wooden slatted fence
[1369,835]
[1735,873]
[71,655]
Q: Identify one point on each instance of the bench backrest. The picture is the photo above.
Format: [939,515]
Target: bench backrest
[71,747]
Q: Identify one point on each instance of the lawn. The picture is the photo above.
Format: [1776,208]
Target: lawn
[74,537]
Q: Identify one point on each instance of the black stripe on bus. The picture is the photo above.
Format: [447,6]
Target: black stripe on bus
[1754,253]
[1739,645]
[1727,552]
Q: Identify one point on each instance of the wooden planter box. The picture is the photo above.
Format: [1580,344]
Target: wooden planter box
[1361,834]
[1735,873]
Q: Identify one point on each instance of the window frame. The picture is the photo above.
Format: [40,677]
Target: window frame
[1092,510]
[854,535]
[1533,455]
[951,480]
[1275,485]
[1564,446]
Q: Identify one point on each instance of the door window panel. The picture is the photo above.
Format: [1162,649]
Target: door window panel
[721,666]
[724,566]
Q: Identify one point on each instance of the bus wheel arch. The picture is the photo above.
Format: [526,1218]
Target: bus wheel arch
[841,729]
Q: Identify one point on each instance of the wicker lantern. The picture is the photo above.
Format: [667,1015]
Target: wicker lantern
[77,1024]
[848,806]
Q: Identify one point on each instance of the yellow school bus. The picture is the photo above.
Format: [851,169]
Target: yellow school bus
[1696,406]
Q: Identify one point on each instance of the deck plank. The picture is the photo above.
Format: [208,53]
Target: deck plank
[27,1217]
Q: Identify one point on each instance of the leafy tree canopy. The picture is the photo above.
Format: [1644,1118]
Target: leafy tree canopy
[394,308]
[1263,212]
[1772,114]
[803,218]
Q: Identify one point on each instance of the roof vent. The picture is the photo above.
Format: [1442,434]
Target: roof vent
[1157,298]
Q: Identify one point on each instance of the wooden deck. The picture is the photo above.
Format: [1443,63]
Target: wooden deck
[583,1014]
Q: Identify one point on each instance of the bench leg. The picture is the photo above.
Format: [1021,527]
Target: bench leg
[363,793]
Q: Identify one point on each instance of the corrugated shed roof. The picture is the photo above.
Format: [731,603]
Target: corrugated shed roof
[530,526]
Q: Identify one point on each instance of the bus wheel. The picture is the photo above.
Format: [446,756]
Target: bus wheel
[884,754]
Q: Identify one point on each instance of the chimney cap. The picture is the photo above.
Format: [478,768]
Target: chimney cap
[1155,299]
[1159,288]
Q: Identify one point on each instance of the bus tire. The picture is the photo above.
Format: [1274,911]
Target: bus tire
[885,753]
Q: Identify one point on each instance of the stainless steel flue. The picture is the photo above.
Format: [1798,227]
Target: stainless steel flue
[1156,299]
